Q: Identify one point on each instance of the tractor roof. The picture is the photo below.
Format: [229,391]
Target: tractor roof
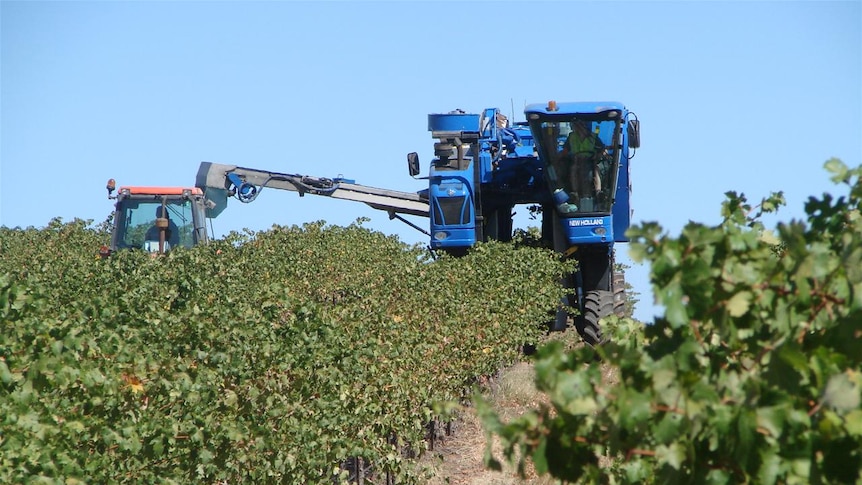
[591,107]
[136,190]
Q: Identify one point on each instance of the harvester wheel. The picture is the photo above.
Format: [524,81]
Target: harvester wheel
[597,305]
[619,294]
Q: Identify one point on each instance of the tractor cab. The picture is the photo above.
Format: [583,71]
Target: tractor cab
[584,148]
[580,164]
[157,219]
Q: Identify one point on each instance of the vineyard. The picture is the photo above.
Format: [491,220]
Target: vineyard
[320,354]
[271,357]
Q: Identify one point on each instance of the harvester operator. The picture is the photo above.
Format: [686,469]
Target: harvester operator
[585,151]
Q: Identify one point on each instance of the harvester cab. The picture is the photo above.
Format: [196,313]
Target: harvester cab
[585,149]
[156,219]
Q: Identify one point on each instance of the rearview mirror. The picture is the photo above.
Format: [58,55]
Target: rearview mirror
[413,163]
[634,129]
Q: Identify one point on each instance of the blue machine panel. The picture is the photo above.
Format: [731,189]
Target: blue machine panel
[453,122]
[589,230]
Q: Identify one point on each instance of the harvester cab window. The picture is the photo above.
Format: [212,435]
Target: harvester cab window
[581,164]
[139,221]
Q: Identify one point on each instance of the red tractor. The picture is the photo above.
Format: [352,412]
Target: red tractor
[156,219]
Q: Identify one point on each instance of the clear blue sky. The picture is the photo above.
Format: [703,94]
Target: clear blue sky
[746,96]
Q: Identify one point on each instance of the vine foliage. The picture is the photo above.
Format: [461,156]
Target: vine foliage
[752,375]
[268,357]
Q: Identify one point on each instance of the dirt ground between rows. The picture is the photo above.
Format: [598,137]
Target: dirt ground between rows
[458,459]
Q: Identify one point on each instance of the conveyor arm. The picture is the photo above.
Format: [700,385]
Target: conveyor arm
[220,181]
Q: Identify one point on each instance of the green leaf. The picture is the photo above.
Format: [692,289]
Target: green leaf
[673,455]
[837,168]
[540,459]
[770,466]
[205,456]
[794,357]
[853,421]
[581,406]
[769,237]
[5,374]
[75,426]
[772,419]
[739,303]
[746,425]
[675,311]
[841,393]
[668,429]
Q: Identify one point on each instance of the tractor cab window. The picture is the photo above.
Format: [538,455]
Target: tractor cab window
[581,163]
[138,223]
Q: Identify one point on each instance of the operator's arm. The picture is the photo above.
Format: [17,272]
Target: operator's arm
[599,148]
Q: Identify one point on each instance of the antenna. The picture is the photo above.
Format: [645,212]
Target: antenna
[512,102]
